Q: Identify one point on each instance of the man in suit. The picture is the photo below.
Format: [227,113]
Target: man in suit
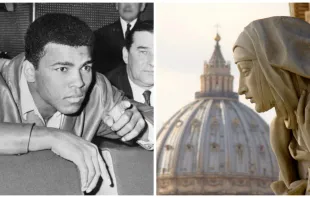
[51,99]
[136,79]
[110,39]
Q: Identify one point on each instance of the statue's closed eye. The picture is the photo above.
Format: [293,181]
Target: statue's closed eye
[245,72]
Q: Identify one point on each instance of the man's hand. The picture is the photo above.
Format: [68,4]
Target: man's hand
[126,120]
[73,148]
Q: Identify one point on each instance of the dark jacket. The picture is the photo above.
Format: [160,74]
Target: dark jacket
[119,78]
[108,47]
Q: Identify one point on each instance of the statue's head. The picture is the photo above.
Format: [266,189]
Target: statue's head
[273,59]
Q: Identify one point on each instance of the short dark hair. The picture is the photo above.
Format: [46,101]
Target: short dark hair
[56,28]
[139,27]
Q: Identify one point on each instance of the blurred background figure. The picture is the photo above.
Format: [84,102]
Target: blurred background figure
[110,39]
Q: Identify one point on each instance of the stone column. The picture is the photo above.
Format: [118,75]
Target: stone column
[208,82]
[220,81]
[202,83]
[225,84]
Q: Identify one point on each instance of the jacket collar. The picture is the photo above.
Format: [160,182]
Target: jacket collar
[12,73]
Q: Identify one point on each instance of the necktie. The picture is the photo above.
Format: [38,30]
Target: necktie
[146,96]
[127,30]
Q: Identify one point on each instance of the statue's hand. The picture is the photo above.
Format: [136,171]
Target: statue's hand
[303,118]
[280,138]
[301,112]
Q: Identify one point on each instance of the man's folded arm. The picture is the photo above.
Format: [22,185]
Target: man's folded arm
[18,138]
[14,138]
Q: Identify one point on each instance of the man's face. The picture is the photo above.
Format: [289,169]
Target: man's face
[140,61]
[63,76]
[129,11]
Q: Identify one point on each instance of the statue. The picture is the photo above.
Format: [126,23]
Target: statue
[273,58]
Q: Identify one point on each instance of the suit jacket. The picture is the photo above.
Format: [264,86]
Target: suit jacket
[87,123]
[108,47]
[119,78]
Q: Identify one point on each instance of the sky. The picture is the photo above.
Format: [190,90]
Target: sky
[185,39]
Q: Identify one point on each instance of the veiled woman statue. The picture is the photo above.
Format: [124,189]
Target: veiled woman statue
[273,58]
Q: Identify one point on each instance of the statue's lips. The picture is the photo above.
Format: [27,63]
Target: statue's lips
[250,98]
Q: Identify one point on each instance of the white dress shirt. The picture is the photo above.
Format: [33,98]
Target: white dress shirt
[137,92]
[124,25]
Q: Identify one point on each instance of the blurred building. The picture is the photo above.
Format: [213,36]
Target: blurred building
[300,10]
[215,145]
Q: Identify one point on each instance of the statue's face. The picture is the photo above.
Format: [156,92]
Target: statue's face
[247,82]
[251,81]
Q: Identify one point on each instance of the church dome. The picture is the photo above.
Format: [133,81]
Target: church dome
[215,145]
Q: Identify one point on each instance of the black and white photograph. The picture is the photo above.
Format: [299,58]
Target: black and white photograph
[76,98]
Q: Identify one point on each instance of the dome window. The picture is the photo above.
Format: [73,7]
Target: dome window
[168,147]
[253,126]
[222,165]
[262,151]
[214,123]
[239,151]
[235,123]
[195,125]
[264,171]
[179,123]
[189,146]
[214,147]
[252,168]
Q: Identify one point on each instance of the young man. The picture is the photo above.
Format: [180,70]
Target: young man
[110,39]
[51,98]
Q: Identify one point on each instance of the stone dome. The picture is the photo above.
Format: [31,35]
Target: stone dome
[215,145]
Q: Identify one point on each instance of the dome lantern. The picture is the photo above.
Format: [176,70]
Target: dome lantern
[216,80]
